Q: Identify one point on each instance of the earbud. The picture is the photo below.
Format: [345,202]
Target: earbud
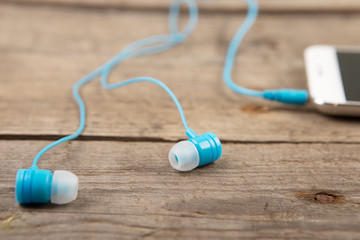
[41,186]
[195,152]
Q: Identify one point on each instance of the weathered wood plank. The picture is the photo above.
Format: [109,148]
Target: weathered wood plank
[224,5]
[128,190]
[43,51]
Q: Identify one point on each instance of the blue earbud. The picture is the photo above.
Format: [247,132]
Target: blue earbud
[195,152]
[41,186]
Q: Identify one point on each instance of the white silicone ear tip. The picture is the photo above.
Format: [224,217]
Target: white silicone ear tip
[184,156]
[64,187]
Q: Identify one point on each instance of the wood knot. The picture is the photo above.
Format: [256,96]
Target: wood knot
[325,197]
[321,197]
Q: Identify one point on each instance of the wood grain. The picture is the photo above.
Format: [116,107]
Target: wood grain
[45,50]
[286,173]
[217,6]
[128,190]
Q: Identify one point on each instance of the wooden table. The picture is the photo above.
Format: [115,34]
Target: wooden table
[285,173]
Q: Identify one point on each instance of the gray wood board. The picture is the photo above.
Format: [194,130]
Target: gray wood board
[43,51]
[128,190]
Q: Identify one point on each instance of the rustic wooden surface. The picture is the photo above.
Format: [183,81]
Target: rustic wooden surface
[71,43]
[128,190]
[286,172]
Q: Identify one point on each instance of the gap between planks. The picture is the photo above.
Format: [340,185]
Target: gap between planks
[51,137]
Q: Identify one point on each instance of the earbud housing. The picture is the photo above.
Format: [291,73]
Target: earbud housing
[41,186]
[195,152]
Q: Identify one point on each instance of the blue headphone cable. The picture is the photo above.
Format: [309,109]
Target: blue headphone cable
[160,43]
[146,46]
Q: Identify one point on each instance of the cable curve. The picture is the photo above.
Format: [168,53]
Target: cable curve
[146,46]
[160,43]
[290,96]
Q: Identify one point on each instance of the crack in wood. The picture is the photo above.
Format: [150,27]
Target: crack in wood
[6,222]
[53,137]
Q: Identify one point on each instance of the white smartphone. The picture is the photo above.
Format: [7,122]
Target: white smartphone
[333,75]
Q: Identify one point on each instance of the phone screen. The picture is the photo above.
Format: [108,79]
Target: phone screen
[350,73]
